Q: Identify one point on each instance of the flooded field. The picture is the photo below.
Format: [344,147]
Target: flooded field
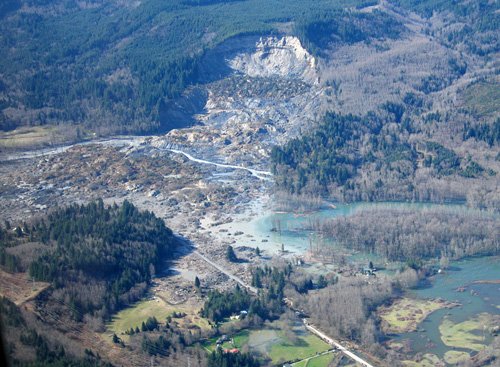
[447,334]
[464,328]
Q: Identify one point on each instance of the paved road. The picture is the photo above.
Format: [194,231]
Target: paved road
[222,270]
[338,346]
[308,326]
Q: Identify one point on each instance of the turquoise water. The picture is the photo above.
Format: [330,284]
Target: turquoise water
[297,237]
[476,299]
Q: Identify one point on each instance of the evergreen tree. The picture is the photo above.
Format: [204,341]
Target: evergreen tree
[230,255]
[321,281]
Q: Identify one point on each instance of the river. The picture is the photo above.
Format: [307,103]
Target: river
[128,141]
[294,233]
[292,230]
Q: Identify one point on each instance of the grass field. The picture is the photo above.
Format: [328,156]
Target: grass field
[467,334]
[455,357]
[319,361]
[428,360]
[405,314]
[276,345]
[240,339]
[308,346]
[29,137]
[138,313]
[483,97]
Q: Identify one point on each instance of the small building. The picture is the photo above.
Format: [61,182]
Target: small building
[222,339]
[368,271]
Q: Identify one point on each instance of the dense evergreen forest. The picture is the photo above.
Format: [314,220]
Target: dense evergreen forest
[328,159]
[128,67]
[220,359]
[131,64]
[319,31]
[101,257]
[92,68]
[267,305]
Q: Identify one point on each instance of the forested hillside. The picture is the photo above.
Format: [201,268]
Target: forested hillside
[398,133]
[318,31]
[104,67]
[101,257]
[368,158]
[100,67]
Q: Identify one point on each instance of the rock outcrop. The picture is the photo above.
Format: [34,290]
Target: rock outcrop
[261,91]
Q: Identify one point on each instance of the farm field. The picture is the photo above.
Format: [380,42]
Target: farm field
[134,316]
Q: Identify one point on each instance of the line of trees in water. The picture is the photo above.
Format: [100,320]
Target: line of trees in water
[412,235]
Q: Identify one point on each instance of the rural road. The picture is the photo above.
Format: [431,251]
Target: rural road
[337,345]
[222,270]
[308,326]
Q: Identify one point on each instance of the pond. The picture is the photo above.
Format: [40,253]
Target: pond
[292,231]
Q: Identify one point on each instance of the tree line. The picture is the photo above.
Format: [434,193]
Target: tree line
[407,235]
[370,158]
[489,133]
[102,257]
[122,70]
[322,30]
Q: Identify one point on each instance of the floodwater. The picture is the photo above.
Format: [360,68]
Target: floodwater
[294,233]
[262,340]
[474,300]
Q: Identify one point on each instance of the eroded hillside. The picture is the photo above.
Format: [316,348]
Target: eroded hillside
[412,87]
[260,91]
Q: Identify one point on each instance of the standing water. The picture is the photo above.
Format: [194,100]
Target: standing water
[478,302]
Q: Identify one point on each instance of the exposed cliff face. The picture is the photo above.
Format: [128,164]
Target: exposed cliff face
[261,91]
[276,56]
[259,56]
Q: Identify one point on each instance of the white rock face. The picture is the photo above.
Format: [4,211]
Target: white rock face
[275,56]
[260,91]
[260,56]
